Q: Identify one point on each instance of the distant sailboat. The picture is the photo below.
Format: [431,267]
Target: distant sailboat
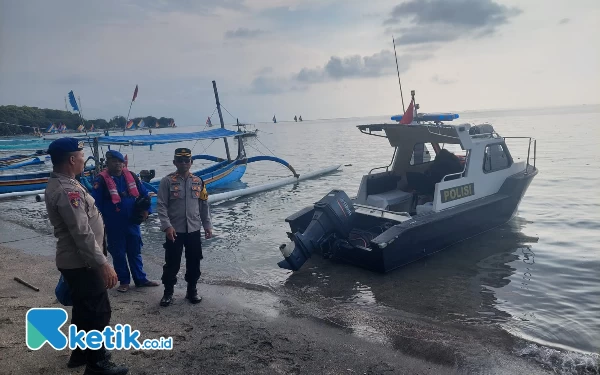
[208,122]
[296,118]
[157,125]
[300,118]
[274,119]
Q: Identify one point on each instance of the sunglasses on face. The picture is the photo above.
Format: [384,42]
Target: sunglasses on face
[183,160]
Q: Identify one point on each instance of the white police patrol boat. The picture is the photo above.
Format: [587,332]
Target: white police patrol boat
[432,195]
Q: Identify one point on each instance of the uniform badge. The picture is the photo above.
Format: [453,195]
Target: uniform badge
[74,198]
[196,194]
[176,194]
[204,193]
[80,145]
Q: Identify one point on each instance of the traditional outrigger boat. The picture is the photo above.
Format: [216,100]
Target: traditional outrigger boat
[18,161]
[224,172]
[416,207]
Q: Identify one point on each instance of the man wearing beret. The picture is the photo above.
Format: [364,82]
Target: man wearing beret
[80,257]
[183,209]
[116,191]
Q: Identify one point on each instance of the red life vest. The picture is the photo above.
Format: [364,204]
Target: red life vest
[112,187]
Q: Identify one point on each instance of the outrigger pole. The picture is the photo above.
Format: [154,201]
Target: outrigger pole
[398,71]
[221,118]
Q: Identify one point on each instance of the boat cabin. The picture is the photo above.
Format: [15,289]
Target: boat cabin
[436,166]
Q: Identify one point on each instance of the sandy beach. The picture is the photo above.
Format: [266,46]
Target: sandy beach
[239,329]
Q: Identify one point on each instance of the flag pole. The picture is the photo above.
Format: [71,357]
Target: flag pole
[135,92]
[126,121]
[398,71]
[80,114]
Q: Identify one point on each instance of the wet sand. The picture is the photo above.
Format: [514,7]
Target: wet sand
[242,329]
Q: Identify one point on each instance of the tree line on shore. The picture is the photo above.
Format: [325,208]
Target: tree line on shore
[23,119]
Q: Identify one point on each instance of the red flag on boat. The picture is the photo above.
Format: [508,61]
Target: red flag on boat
[135,93]
[408,116]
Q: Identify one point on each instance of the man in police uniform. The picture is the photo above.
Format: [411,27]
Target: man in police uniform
[80,257]
[182,209]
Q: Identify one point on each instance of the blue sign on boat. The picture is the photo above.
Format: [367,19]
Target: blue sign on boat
[430,117]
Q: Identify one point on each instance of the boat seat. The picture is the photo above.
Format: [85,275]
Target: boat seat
[389,198]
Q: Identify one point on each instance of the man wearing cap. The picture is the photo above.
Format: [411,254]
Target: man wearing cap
[183,209]
[116,191]
[80,257]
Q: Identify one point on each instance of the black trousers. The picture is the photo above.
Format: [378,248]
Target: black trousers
[193,254]
[91,307]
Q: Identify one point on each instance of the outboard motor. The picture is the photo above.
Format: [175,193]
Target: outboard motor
[147,175]
[334,215]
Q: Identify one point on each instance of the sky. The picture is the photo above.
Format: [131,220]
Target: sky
[315,58]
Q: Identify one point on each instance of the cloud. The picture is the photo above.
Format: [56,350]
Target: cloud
[564,21]
[244,33]
[336,69]
[264,71]
[441,81]
[429,21]
[269,84]
[356,66]
[202,7]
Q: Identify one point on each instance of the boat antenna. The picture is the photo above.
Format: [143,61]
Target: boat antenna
[398,71]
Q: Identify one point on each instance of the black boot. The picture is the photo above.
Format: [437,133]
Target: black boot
[192,294]
[167,298]
[78,357]
[105,367]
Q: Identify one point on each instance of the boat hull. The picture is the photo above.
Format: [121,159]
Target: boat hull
[23,182]
[426,234]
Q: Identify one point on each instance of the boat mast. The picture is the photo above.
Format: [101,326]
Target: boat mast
[221,118]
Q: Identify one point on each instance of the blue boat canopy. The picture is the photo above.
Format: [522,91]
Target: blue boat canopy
[151,139]
[430,117]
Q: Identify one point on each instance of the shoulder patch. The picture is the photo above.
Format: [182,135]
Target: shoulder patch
[203,194]
[195,178]
[74,198]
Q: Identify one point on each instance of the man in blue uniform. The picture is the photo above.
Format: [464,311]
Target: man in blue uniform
[119,196]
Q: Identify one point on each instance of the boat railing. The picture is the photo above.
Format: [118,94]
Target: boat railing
[387,167]
[439,127]
[530,157]
[487,135]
